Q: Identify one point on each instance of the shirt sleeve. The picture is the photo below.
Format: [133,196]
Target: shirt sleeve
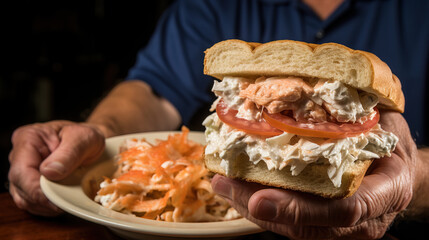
[172,62]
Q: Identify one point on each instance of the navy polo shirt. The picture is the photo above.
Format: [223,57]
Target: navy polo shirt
[397,31]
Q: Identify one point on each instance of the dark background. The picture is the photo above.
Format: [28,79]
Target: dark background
[59,58]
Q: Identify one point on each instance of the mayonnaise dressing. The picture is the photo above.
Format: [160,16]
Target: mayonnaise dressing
[279,151]
[344,103]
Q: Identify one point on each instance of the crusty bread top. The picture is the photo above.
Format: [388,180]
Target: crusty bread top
[359,69]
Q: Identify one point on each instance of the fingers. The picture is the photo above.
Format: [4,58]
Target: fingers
[35,203]
[79,145]
[24,175]
[295,208]
[286,207]
[37,149]
[300,215]
[234,190]
[385,191]
[386,188]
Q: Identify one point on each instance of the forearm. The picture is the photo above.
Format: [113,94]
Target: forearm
[418,209]
[132,107]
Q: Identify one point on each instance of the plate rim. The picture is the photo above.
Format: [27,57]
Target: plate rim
[175,229]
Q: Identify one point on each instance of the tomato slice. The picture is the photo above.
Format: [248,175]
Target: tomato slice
[262,128]
[322,130]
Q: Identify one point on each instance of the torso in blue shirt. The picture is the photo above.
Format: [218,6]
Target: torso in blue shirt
[397,31]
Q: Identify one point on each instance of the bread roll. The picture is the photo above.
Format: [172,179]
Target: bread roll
[313,179]
[330,61]
[359,69]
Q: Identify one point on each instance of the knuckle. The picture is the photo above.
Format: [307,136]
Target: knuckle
[26,129]
[352,218]
[351,213]
[17,133]
[291,214]
[21,203]
[24,135]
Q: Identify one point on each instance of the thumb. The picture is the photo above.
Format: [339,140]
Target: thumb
[79,144]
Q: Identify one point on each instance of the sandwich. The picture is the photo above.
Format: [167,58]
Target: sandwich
[298,116]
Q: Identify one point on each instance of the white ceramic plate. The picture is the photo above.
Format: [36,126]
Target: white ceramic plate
[74,195]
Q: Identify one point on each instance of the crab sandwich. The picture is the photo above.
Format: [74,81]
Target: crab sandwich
[298,116]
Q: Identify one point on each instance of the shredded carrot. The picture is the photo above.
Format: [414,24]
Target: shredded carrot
[166,181]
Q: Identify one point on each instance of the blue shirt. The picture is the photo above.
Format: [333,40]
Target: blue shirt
[397,31]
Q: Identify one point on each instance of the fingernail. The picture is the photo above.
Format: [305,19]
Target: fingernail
[222,188]
[265,210]
[56,167]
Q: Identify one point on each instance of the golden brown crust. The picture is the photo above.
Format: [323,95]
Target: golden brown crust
[386,84]
[359,69]
[313,179]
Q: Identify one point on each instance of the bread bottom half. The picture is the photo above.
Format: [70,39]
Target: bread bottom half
[313,179]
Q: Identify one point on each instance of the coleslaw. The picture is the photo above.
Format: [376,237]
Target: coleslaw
[166,181]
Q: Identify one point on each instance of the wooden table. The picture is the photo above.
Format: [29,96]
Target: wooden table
[18,224]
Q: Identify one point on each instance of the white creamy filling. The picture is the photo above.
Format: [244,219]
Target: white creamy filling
[279,151]
[229,89]
[345,103]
